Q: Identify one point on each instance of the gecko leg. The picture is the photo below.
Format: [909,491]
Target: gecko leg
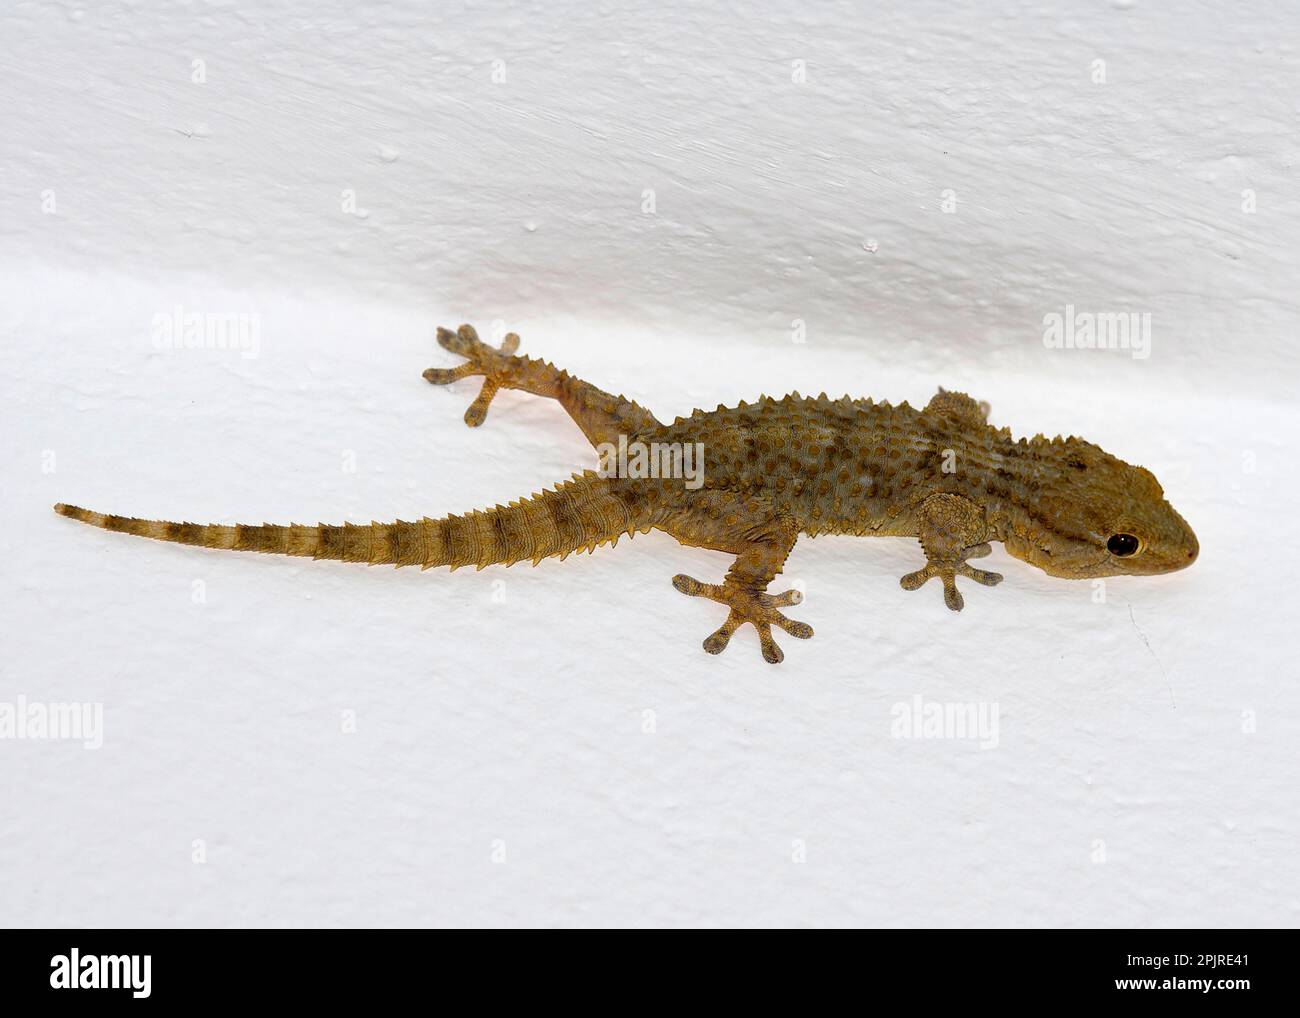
[761,538]
[952,529]
[602,417]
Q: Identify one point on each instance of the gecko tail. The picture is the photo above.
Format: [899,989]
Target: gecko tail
[579,514]
[397,543]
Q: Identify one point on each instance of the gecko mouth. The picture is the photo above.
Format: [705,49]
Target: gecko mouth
[1065,568]
[1103,566]
[1108,565]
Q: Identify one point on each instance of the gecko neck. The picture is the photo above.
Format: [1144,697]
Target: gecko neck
[1028,470]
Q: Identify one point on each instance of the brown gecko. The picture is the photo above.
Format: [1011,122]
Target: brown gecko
[771,471]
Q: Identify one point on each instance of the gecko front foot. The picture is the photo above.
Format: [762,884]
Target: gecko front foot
[948,571]
[488,361]
[751,605]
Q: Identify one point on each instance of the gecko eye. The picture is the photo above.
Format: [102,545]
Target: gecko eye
[1123,545]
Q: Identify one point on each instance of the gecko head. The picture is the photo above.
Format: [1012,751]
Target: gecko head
[1099,516]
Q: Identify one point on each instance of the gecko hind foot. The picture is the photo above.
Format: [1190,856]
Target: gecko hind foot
[747,605]
[488,361]
[948,573]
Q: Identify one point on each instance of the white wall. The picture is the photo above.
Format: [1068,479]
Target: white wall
[522,199]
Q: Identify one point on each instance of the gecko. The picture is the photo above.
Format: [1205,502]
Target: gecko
[768,473]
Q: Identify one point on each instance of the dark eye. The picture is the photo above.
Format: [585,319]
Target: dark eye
[1122,544]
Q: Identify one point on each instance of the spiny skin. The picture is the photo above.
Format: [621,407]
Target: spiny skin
[772,470]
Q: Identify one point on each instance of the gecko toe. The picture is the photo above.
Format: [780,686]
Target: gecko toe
[478,410]
[448,340]
[980,575]
[716,643]
[692,587]
[445,376]
[463,341]
[688,585]
[916,580]
[772,654]
[799,630]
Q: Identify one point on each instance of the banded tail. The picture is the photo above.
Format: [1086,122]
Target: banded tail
[583,513]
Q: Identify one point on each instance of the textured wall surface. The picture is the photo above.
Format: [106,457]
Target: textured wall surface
[693,205]
[498,160]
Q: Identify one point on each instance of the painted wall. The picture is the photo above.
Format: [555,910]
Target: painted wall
[696,168]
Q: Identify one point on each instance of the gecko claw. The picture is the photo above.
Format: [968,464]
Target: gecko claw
[747,605]
[484,360]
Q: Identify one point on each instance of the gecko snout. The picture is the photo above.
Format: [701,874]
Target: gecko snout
[1178,550]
